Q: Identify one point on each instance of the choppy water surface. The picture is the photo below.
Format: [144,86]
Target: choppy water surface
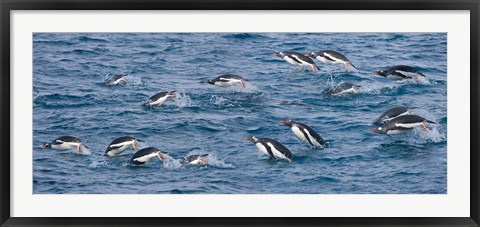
[70,99]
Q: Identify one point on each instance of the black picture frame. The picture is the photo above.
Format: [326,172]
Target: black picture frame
[7,6]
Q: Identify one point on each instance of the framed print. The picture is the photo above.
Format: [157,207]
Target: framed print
[230,113]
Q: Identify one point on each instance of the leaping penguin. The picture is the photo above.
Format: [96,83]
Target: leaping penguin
[65,143]
[343,88]
[298,59]
[271,148]
[145,155]
[197,159]
[305,134]
[160,98]
[227,80]
[120,144]
[402,124]
[400,72]
[116,79]
[391,114]
[333,57]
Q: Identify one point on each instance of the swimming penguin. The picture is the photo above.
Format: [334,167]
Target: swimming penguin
[159,98]
[271,148]
[120,144]
[298,59]
[197,159]
[333,57]
[402,124]
[304,133]
[65,143]
[227,80]
[145,155]
[343,88]
[116,79]
[390,114]
[400,72]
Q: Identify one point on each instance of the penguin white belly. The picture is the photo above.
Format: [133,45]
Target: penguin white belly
[409,125]
[65,146]
[324,60]
[393,77]
[290,61]
[115,82]
[145,158]
[408,74]
[194,162]
[159,101]
[228,83]
[387,119]
[299,134]
[262,148]
[119,148]
[397,131]
[346,91]
[277,153]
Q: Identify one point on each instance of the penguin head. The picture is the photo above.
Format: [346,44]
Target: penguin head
[210,82]
[279,54]
[46,145]
[171,94]
[313,55]
[380,73]
[160,156]
[381,130]
[287,122]
[253,139]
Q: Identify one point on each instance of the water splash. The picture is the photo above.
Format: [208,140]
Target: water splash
[171,163]
[182,99]
[377,88]
[97,164]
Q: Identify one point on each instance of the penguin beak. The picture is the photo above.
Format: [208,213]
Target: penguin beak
[135,146]
[308,55]
[377,73]
[43,145]
[172,95]
[248,138]
[374,130]
[276,55]
[284,121]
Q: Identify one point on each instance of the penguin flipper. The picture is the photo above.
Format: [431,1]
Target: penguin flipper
[269,150]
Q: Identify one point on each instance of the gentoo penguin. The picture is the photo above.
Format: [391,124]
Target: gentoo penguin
[116,79]
[304,133]
[197,159]
[342,89]
[390,114]
[65,143]
[298,59]
[333,57]
[145,155]
[399,72]
[402,124]
[120,144]
[271,148]
[159,98]
[227,80]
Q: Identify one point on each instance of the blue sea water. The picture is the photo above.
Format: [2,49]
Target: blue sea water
[70,99]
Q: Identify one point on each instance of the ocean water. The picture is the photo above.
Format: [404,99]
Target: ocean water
[69,98]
